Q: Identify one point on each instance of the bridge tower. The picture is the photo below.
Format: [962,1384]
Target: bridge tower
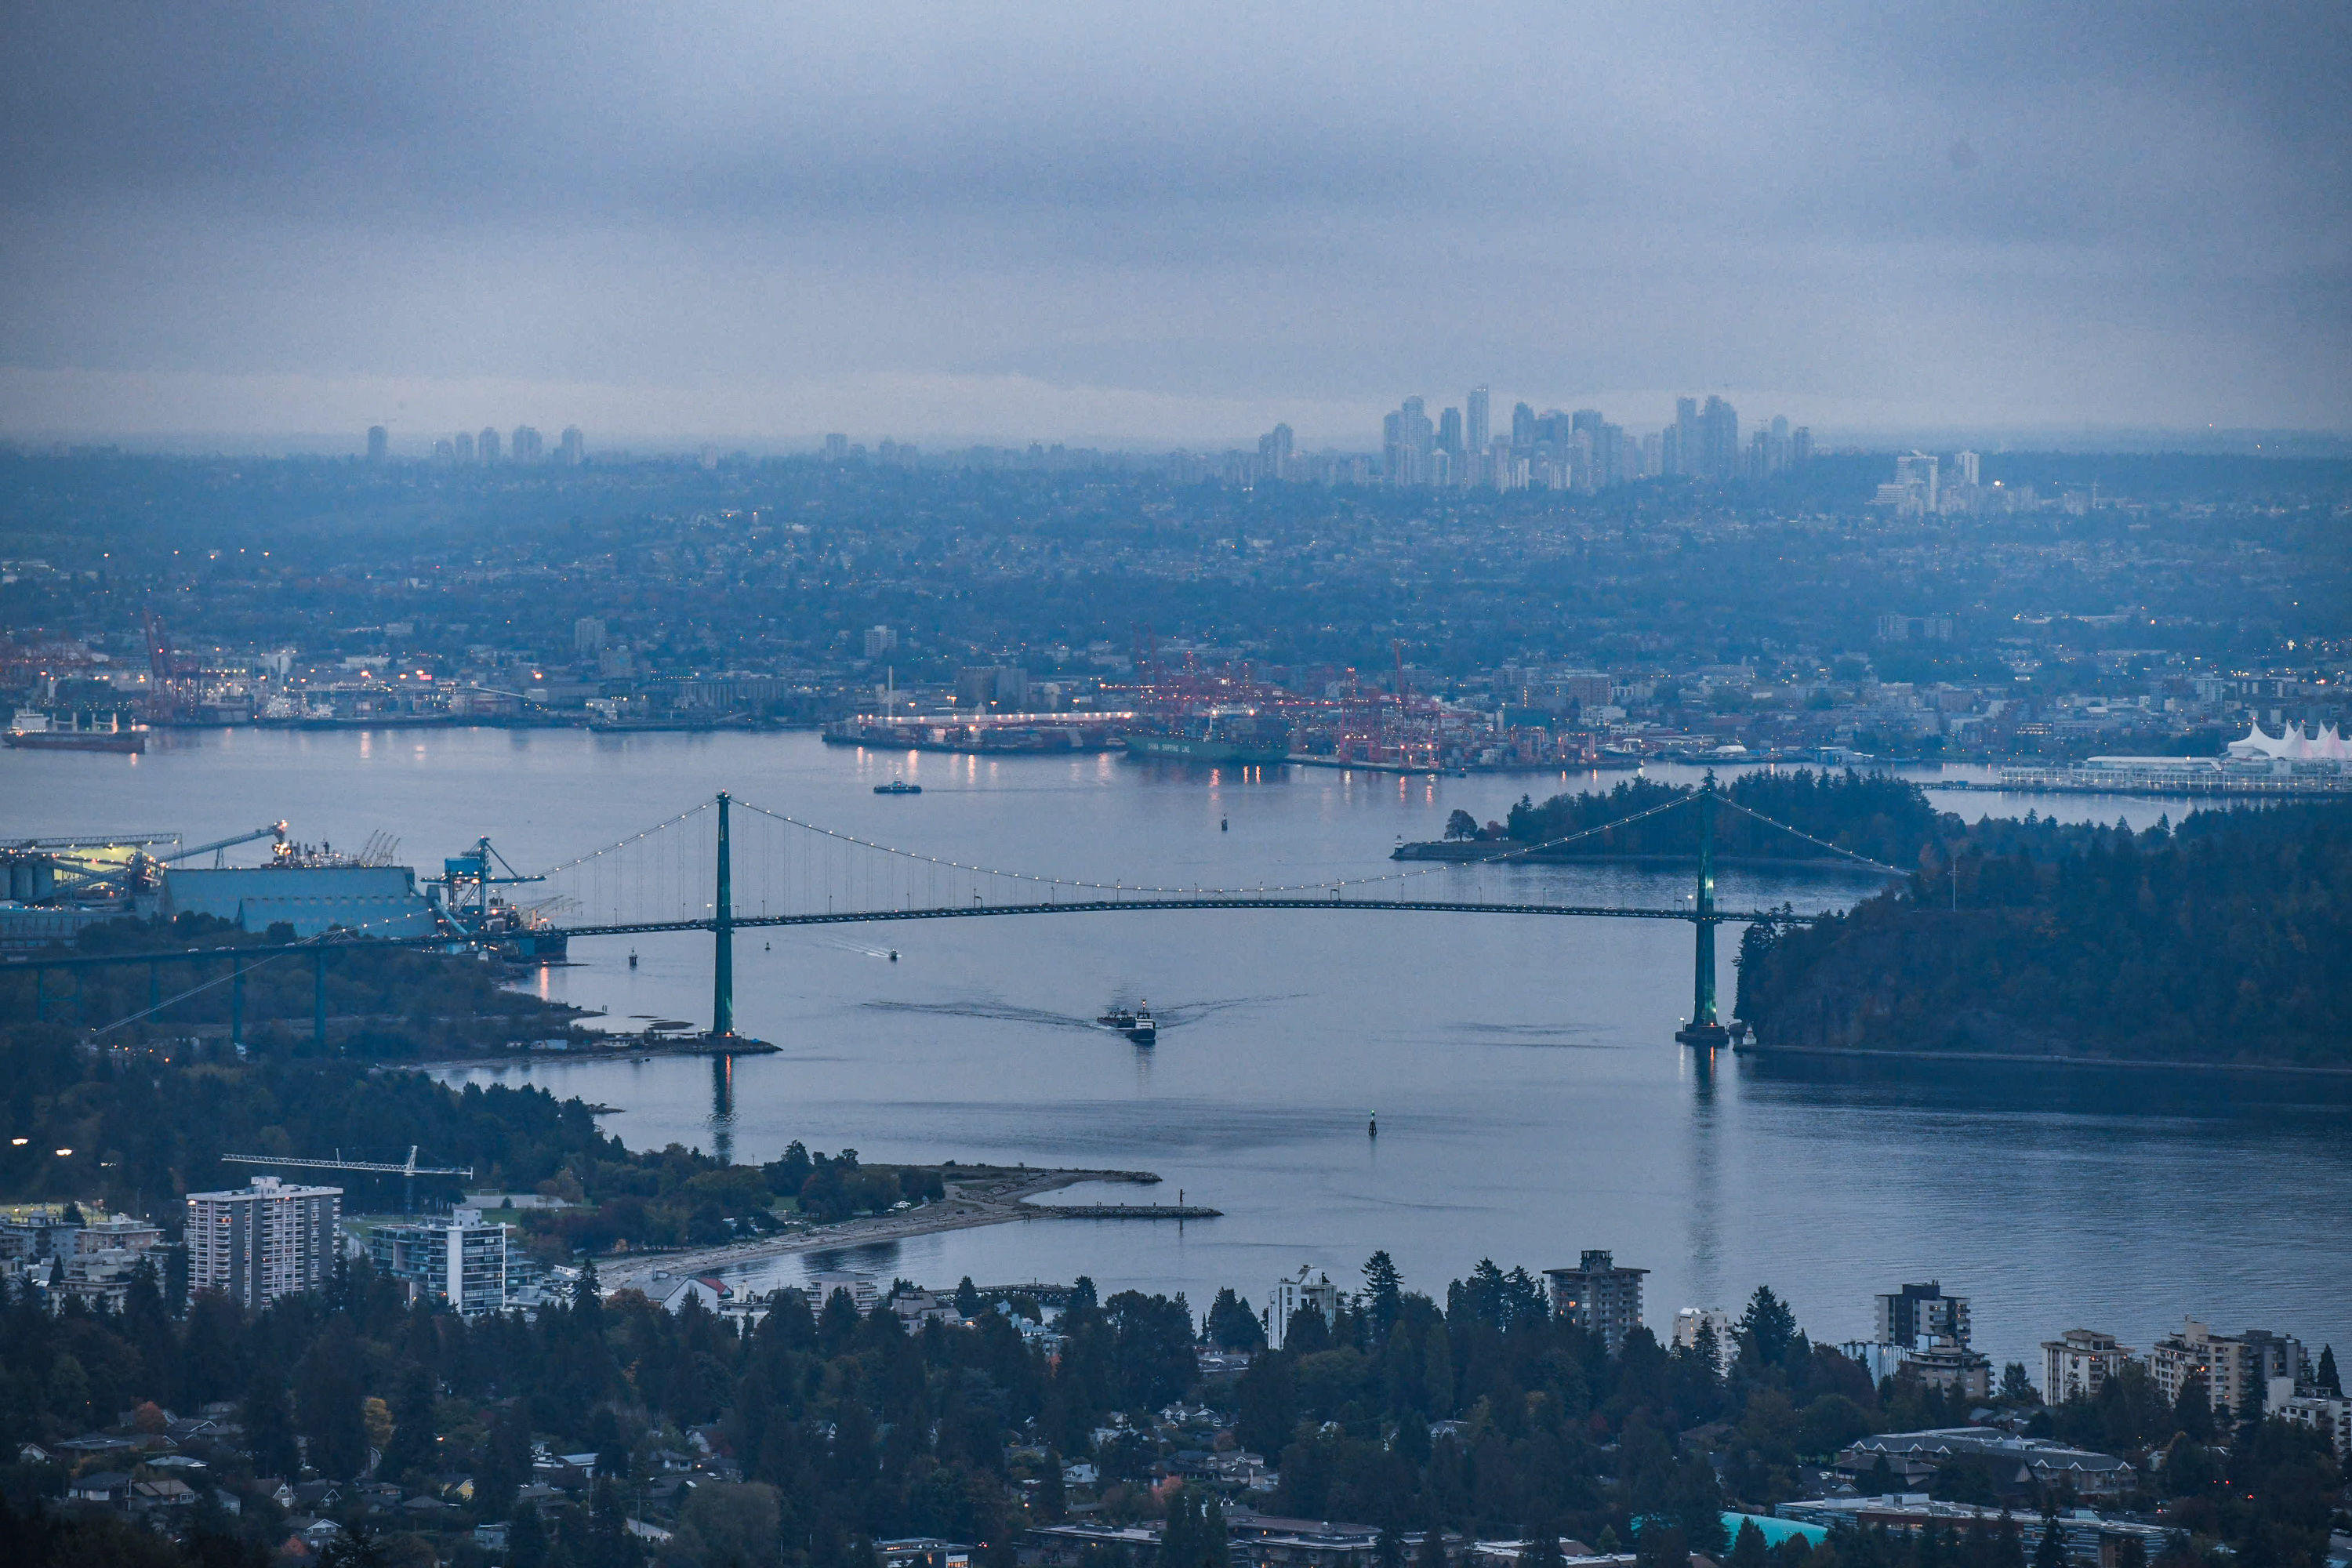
[1704,1030]
[722,926]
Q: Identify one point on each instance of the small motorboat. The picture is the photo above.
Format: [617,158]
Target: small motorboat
[1137,1025]
[898,786]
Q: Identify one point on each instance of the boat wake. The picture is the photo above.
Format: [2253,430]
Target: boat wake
[1003,1011]
[998,1011]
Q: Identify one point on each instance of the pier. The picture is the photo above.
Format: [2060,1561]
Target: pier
[1123,1211]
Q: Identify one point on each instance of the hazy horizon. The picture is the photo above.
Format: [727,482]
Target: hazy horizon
[1168,227]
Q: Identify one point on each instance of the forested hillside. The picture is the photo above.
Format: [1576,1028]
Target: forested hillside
[2216,944]
[1884,817]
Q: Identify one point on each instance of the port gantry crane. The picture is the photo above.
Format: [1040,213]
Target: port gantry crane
[408,1169]
[475,867]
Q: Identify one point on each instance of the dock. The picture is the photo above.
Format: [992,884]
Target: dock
[1124,1211]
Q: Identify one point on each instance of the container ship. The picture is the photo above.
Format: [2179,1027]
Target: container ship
[1225,736]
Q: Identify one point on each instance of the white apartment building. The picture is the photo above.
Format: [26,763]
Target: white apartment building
[2329,1414]
[459,1262]
[268,1241]
[1292,1295]
[2079,1362]
[2237,1368]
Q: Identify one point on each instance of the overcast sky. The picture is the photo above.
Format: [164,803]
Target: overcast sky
[1171,223]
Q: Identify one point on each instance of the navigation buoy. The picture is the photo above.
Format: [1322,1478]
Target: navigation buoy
[1373,1128]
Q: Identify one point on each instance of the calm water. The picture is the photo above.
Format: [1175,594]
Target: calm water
[1531,1101]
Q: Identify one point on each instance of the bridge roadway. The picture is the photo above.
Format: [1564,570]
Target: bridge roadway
[851,917]
[1201,901]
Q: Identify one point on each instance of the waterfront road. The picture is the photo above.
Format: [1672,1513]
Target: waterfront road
[976,1195]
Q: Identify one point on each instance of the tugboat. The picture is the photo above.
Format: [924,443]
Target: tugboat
[898,786]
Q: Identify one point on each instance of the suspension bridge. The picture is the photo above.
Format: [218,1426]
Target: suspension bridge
[727,866]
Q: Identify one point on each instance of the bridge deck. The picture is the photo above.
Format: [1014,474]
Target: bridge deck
[1204,901]
[948,911]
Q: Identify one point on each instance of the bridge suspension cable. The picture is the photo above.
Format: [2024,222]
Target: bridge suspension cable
[1517,852]
[1819,843]
[619,844]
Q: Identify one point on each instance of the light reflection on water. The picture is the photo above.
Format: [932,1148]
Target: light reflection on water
[1532,1101]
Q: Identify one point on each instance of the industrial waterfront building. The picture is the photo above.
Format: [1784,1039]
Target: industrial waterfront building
[266,1242]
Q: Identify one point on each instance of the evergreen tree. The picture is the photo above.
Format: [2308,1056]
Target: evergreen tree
[506,1459]
[1194,1536]
[966,1297]
[412,1450]
[1437,1370]
[1767,1331]
[269,1422]
[1051,1499]
[528,1540]
[2195,1411]
[1696,1505]
[1542,1549]
[2008,1543]
[1306,1334]
[2330,1382]
[327,1399]
[1659,1546]
[1383,1295]
[2051,1551]
[1231,1325]
[1749,1550]
[611,1448]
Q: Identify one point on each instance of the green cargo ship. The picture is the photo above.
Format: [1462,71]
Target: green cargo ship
[1209,749]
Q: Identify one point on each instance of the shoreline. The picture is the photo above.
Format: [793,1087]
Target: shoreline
[978,1195]
[2027,1059]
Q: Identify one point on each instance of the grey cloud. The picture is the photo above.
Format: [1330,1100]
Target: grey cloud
[1324,200]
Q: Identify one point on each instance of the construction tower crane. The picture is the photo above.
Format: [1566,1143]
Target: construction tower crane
[408,1171]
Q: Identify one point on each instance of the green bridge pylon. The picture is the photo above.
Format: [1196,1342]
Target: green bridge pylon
[1704,1029]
